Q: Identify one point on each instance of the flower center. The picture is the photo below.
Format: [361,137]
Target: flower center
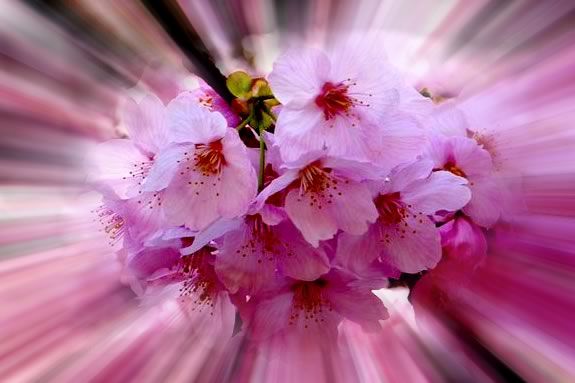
[334,99]
[308,299]
[319,185]
[209,158]
[200,279]
[111,222]
[391,209]
[315,179]
[263,241]
[450,166]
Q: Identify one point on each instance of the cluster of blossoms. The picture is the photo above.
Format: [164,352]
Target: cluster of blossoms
[327,180]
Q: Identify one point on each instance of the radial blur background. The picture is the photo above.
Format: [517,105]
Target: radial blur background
[66,67]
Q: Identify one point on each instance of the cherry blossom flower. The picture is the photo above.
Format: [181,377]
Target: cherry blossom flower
[326,194]
[123,164]
[313,308]
[465,158]
[253,252]
[404,236]
[205,174]
[344,101]
[119,167]
[160,272]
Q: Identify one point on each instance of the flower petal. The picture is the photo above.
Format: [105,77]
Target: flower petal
[166,165]
[356,303]
[298,75]
[117,164]
[398,140]
[484,207]
[299,131]
[441,191]
[470,157]
[300,260]
[356,252]
[270,315]
[212,232]
[145,123]
[412,246]
[189,122]
[243,263]
[402,176]
[275,186]
[315,224]
[354,208]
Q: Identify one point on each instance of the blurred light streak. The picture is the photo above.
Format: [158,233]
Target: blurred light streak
[65,314]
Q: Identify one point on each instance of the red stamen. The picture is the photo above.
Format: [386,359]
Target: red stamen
[334,99]
[209,158]
[391,209]
[308,298]
[450,166]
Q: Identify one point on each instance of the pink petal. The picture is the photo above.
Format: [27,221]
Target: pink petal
[189,122]
[441,191]
[354,208]
[184,207]
[275,186]
[353,170]
[411,248]
[149,260]
[298,75]
[298,131]
[212,232]
[145,123]
[470,157]
[238,188]
[398,140]
[484,207]
[166,165]
[351,209]
[315,224]
[356,252]
[463,242]
[356,303]
[242,262]
[271,315]
[272,215]
[299,259]
[449,121]
[117,163]
[403,176]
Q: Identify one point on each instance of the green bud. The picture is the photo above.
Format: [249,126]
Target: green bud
[239,83]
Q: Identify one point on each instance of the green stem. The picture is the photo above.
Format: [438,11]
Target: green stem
[245,120]
[262,161]
[271,114]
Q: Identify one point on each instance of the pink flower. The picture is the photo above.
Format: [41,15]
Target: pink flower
[205,174]
[404,236]
[160,272]
[139,218]
[344,101]
[313,308]
[325,195]
[252,253]
[465,158]
[123,164]
[119,168]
